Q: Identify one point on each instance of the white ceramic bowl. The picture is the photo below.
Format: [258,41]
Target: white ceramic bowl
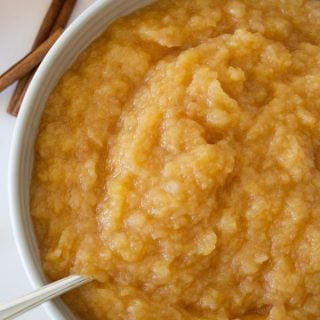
[74,40]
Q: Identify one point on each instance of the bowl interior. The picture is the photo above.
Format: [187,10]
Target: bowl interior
[74,40]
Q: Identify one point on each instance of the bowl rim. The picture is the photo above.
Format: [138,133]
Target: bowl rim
[19,215]
[18,223]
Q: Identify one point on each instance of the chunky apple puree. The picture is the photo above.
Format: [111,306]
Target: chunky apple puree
[177,163]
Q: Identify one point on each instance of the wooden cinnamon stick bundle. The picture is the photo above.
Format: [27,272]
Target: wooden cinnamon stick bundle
[56,18]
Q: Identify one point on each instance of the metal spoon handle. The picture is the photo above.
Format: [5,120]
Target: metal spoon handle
[12,309]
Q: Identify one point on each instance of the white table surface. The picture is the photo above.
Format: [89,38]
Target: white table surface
[19,23]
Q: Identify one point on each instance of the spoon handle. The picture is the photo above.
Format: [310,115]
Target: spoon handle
[14,308]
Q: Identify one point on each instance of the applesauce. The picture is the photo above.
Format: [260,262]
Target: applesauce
[177,163]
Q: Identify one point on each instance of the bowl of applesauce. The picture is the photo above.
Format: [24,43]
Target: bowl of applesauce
[171,151]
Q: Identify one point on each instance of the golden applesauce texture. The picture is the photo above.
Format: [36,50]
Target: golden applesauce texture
[178,164]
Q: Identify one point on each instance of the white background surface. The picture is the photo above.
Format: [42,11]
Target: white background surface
[19,23]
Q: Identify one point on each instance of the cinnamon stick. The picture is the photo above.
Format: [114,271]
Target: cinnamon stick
[48,22]
[18,91]
[16,100]
[26,64]
[43,33]
[64,14]
[64,8]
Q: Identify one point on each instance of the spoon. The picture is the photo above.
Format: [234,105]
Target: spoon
[16,307]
